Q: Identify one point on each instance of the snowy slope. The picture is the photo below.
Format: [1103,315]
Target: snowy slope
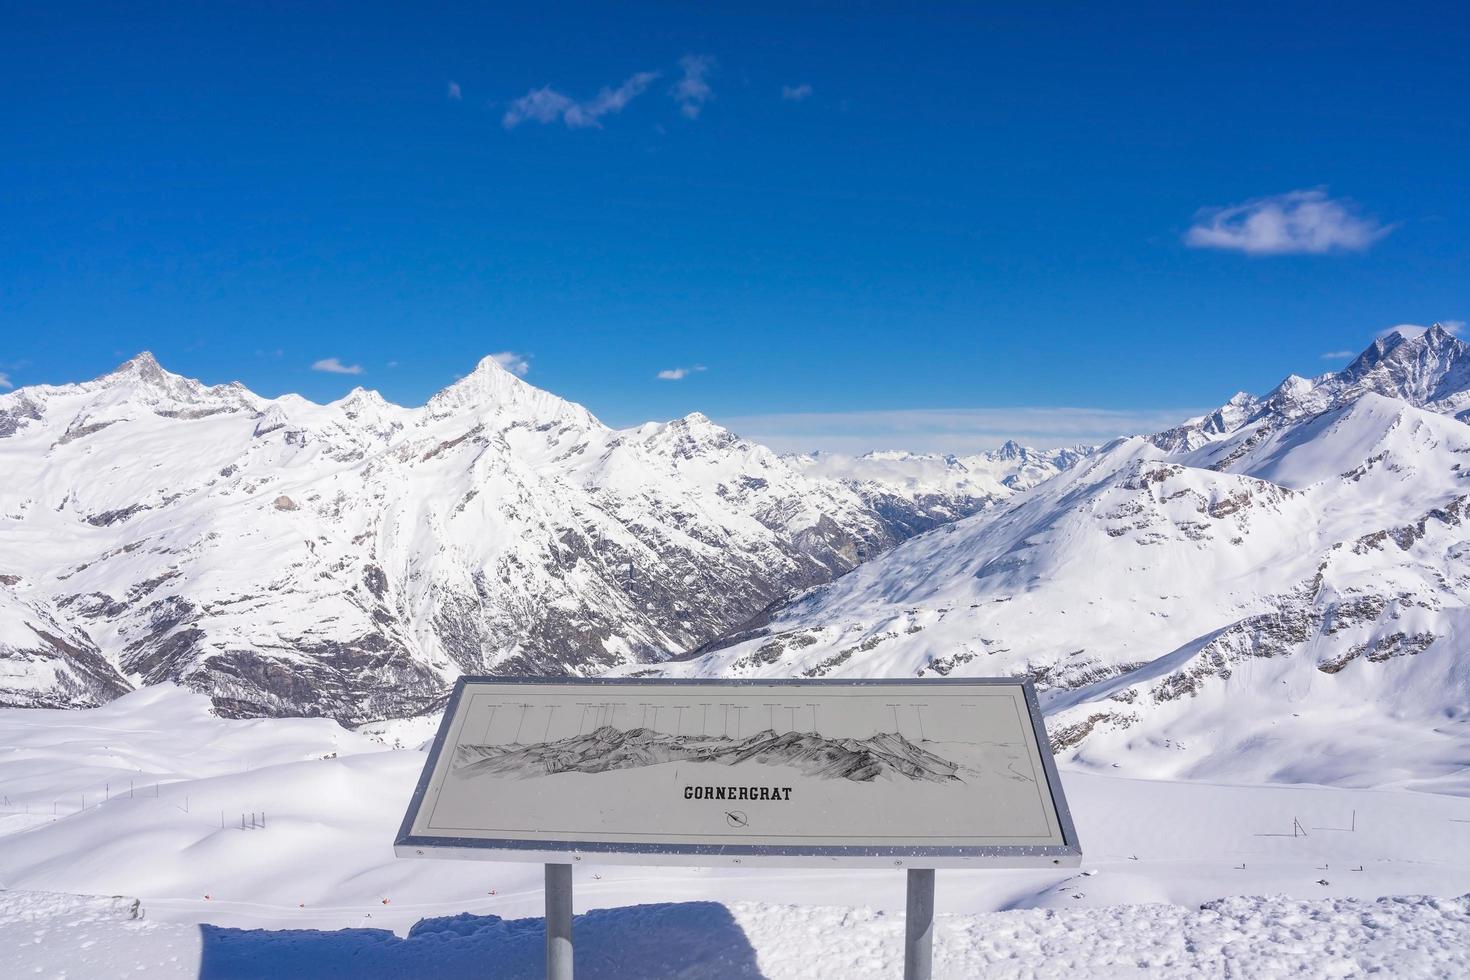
[1277,591]
[143,797]
[351,559]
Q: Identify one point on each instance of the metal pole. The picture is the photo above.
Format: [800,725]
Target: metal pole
[559,922]
[918,938]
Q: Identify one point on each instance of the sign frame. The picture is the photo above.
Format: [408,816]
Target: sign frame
[1068,854]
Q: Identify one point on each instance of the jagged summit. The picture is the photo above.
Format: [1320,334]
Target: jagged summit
[1010,449]
[692,436]
[1431,369]
[144,369]
[142,364]
[492,390]
[1427,368]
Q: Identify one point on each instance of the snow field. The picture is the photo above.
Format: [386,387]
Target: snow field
[318,890]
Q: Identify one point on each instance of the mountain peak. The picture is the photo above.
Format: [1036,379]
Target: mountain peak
[492,388]
[145,367]
[144,376]
[1423,365]
[701,426]
[489,384]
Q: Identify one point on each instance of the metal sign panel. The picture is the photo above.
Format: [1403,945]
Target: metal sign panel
[881,773]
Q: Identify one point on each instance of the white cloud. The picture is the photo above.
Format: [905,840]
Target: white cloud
[455,92]
[795,93]
[332,365]
[692,91]
[1298,223]
[679,373]
[517,364]
[546,105]
[5,381]
[950,430]
[1339,355]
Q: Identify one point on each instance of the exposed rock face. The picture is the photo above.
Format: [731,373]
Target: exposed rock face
[47,664]
[352,559]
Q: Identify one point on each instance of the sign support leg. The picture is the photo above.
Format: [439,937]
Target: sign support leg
[918,939]
[558,922]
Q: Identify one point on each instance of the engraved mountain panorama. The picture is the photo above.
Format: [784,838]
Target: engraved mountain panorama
[606,749]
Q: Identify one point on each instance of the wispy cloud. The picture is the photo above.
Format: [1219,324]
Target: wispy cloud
[455,94]
[1452,327]
[547,105]
[950,430]
[692,90]
[5,381]
[795,93]
[517,364]
[679,373]
[1297,223]
[1339,355]
[332,365]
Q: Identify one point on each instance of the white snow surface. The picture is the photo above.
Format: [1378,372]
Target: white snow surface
[314,889]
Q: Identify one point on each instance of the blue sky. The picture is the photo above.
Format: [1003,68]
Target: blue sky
[847,224]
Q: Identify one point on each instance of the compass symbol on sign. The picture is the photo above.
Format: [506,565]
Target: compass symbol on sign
[737,818]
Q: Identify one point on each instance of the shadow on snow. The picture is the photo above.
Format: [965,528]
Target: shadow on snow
[640,942]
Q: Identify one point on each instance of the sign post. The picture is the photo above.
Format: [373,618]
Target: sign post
[918,925]
[558,922]
[912,774]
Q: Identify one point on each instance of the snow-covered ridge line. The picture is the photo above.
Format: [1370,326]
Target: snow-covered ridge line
[350,559]
[1275,591]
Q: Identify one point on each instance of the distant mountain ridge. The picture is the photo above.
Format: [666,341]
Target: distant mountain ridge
[351,559]
[921,491]
[607,748]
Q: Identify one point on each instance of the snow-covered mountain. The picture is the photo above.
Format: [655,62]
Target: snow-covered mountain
[920,491]
[351,559]
[1277,588]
